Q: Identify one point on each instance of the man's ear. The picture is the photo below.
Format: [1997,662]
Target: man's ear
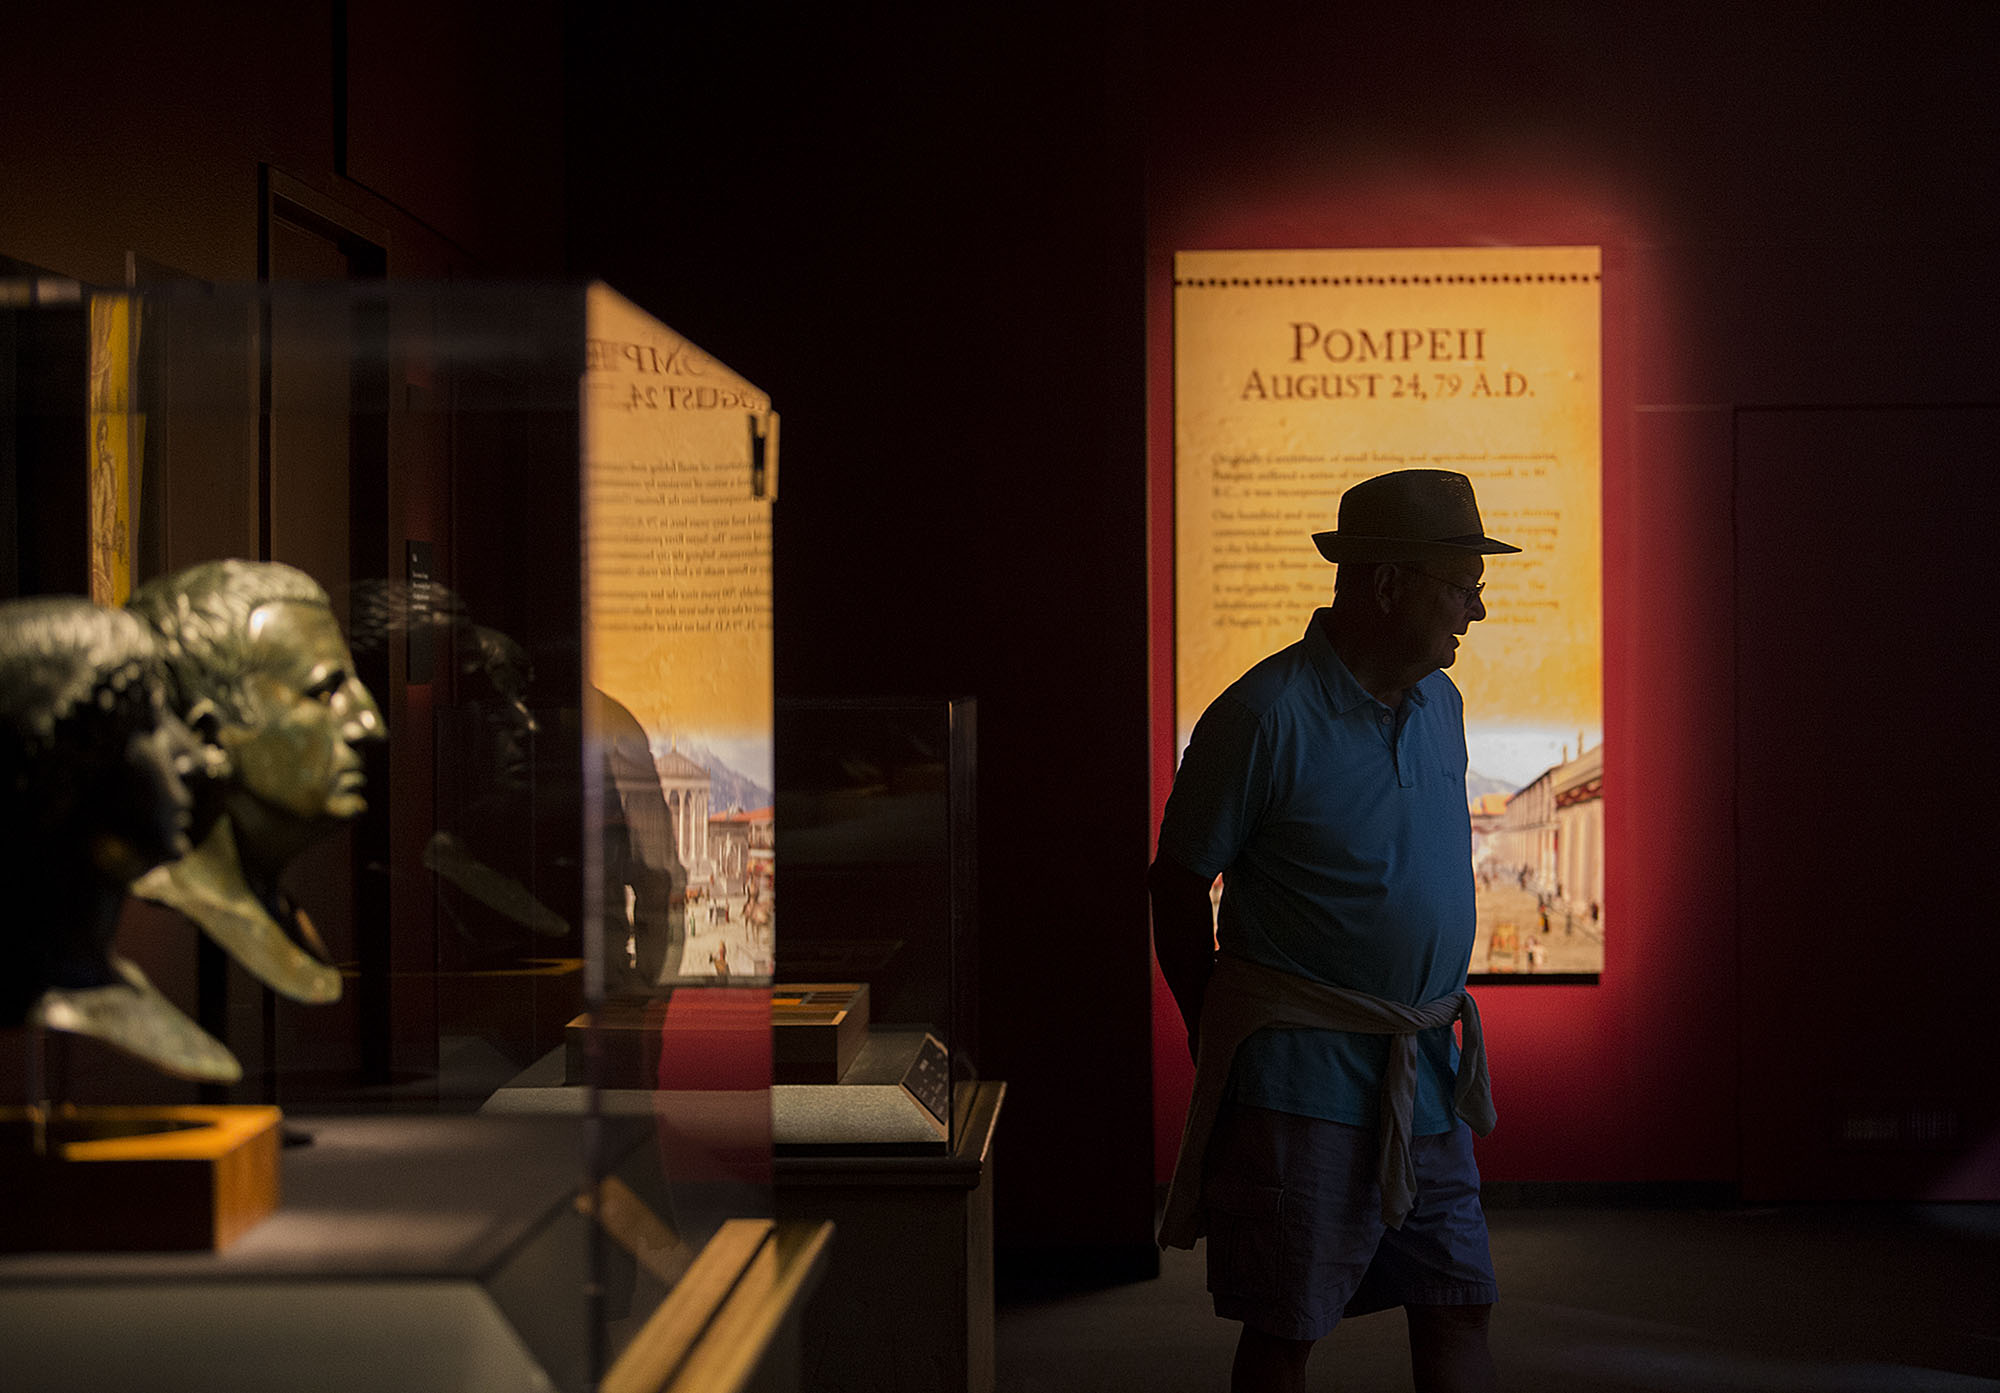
[1388,584]
[205,720]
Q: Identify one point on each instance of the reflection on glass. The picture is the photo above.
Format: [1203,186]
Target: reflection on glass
[645,882]
[573,647]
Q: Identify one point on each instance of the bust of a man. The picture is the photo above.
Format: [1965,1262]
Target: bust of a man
[93,793]
[259,671]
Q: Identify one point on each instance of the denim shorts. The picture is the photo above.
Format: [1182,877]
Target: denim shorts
[1295,1232]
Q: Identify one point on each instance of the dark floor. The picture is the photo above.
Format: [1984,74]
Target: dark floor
[1609,1300]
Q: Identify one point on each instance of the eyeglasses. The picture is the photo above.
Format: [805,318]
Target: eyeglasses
[1468,595]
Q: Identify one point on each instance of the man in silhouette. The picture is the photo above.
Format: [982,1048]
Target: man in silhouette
[1328,1157]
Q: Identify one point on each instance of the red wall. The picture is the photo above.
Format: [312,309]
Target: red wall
[1563,1053]
[1783,222]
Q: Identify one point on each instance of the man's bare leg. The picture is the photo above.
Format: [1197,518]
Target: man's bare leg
[1269,1364]
[1448,1352]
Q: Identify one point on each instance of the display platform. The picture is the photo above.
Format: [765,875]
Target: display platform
[907,1305]
[895,1096]
[410,1253]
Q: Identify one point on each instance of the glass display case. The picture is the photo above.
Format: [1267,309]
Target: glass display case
[478,895]
[875,1009]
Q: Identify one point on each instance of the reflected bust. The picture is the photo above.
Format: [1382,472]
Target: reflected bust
[93,793]
[260,673]
[489,795]
[483,798]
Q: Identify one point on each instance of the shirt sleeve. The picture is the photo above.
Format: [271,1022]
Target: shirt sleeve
[1220,792]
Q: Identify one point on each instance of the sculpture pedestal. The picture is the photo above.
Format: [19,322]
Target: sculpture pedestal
[816,1030]
[136,1179]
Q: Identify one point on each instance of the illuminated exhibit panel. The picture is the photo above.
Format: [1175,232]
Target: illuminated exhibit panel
[680,469]
[1300,373]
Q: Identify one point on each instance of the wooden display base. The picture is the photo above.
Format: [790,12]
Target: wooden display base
[132,1179]
[816,1030]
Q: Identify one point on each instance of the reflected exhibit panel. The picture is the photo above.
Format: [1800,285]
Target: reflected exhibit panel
[1298,374]
[680,470]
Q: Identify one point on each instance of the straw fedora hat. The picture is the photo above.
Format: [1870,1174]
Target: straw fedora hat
[1407,515]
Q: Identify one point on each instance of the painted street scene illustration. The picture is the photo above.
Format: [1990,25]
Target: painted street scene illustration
[723,833]
[1538,868]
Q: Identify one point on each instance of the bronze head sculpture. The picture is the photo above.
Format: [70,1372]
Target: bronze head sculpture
[93,793]
[260,673]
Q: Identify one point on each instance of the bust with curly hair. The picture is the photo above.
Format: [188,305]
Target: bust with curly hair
[93,793]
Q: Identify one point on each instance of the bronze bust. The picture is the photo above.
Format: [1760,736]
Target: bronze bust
[93,793]
[259,671]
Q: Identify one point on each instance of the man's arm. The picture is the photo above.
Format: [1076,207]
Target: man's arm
[1183,936]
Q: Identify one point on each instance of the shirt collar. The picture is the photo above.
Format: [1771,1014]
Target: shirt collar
[1341,689]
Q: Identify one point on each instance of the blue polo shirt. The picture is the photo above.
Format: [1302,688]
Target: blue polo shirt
[1341,832]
